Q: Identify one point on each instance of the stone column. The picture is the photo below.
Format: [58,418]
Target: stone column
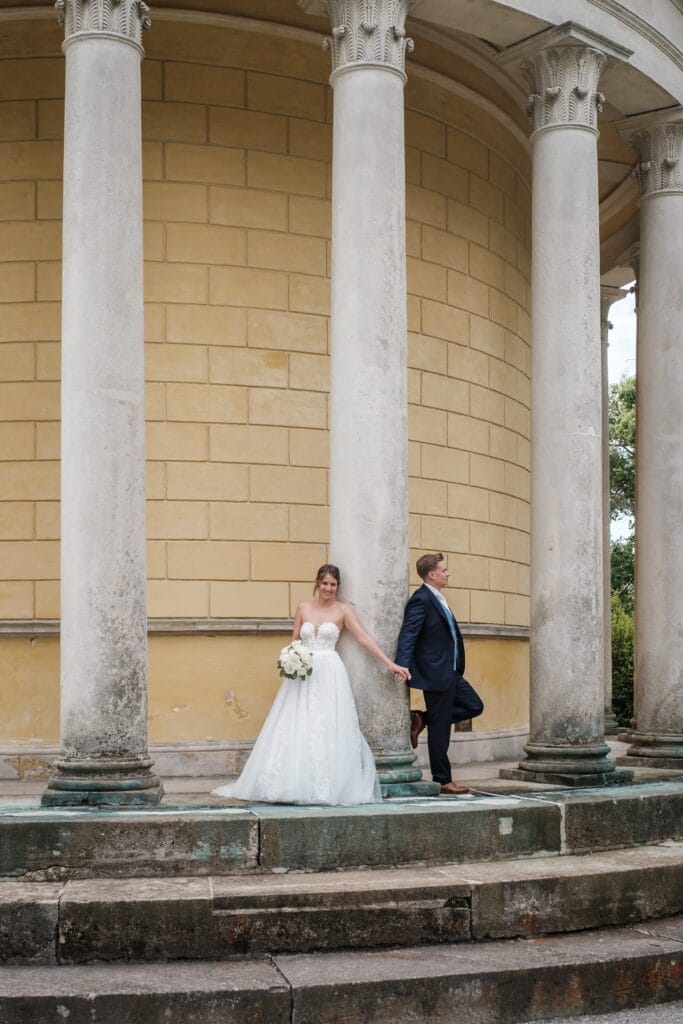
[103,629]
[567,617]
[608,296]
[368,388]
[657,740]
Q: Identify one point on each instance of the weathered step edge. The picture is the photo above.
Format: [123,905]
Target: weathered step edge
[143,920]
[45,846]
[501,982]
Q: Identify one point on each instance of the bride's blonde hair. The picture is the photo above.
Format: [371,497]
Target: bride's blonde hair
[326,570]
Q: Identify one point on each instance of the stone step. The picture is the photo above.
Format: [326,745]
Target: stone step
[495,982]
[45,845]
[662,1013]
[147,920]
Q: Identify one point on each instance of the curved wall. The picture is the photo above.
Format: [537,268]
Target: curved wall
[237,168]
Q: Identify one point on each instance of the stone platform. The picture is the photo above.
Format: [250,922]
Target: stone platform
[476,908]
[195,840]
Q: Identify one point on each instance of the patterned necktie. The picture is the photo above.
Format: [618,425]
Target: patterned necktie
[451,623]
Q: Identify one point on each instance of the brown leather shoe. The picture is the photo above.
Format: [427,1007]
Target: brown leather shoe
[452,789]
[417,724]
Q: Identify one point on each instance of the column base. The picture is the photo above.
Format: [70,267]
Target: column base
[613,778]
[567,765]
[666,763]
[652,750]
[611,724]
[398,777]
[406,789]
[102,784]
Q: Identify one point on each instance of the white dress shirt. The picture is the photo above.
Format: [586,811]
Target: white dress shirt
[451,618]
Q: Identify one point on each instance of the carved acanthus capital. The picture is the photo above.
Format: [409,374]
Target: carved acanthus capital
[658,140]
[125,18]
[368,33]
[562,65]
[564,86]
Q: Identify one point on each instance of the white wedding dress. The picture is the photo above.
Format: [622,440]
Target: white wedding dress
[310,749]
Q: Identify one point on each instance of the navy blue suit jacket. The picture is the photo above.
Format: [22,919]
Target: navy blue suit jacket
[425,643]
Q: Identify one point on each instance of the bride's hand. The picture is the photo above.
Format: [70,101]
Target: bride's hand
[401,674]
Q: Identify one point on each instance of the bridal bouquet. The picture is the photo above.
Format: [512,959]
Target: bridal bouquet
[295,661]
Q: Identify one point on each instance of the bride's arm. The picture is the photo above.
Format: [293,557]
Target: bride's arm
[353,625]
[296,632]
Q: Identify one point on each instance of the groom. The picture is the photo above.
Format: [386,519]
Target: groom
[430,645]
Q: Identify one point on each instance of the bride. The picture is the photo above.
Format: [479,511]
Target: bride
[310,749]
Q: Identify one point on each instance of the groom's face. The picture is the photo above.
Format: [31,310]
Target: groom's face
[439,575]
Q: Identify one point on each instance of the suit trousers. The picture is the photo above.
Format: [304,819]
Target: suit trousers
[445,708]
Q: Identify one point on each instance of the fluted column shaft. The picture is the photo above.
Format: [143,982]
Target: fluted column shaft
[657,740]
[103,578]
[368,387]
[567,611]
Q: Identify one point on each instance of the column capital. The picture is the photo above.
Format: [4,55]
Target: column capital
[125,19]
[609,294]
[562,67]
[564,87]
[631,258]
[658,140]
[366,33]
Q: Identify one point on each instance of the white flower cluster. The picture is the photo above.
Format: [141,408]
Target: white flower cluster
[295,661]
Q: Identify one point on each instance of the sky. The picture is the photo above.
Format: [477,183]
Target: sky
[621,362]
[621,354]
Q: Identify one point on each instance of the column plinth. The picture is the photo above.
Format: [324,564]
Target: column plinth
[570,764]
[368,383]
[103,647]
[657,740]
[567,604]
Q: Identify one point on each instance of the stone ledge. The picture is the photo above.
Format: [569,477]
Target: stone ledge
[624,816]
[208,837]
[167,919]
[419,831]
[53,845]
[45,845]
[222,759]
[233,627]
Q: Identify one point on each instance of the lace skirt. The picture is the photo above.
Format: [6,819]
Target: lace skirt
[310,749]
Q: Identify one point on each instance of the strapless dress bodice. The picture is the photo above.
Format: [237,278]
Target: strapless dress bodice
[320,638]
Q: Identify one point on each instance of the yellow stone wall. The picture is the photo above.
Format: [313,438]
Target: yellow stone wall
[237,129]
[468,268]
[220,688]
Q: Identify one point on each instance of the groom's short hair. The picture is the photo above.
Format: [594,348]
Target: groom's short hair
[426,563]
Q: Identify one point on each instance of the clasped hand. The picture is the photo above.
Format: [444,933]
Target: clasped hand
[401,674]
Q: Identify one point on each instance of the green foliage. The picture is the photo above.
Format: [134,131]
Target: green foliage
[622,661]
[623,570]
[622,447]
[622,468]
